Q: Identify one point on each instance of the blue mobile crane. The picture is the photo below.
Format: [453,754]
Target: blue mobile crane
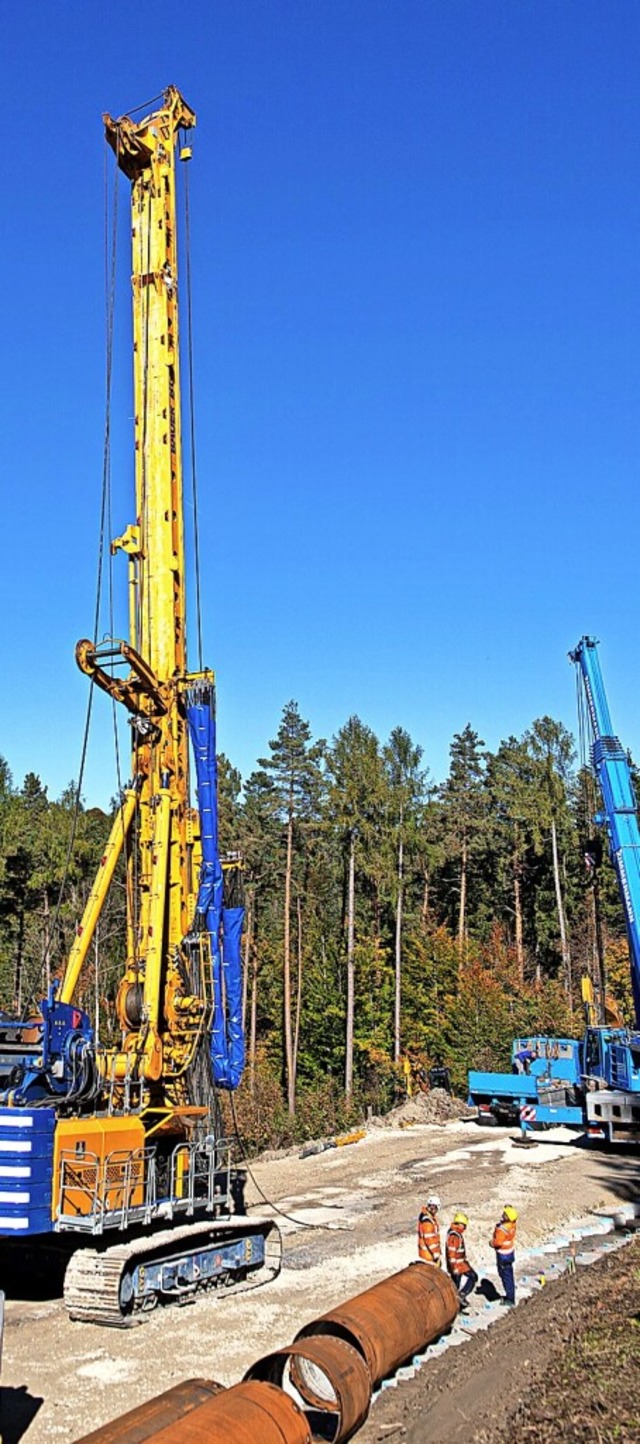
[611,1056]
[593,1082]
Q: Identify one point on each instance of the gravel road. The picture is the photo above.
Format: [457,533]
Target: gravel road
[355,1210]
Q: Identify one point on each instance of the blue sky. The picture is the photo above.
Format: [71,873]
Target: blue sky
[416,282]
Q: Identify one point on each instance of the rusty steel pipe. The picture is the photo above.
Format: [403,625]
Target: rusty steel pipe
[168,1409]
[393,1320]
[248,1413]
[329,1374]
[199,1412]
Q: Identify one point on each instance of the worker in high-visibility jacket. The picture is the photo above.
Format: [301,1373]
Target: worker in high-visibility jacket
[464,1277]
[504,1243]
[429,1247]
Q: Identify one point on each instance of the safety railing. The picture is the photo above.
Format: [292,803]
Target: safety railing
[201,1176]
[106,1192]
[126,1186]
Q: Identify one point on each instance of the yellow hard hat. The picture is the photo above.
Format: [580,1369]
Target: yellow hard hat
[461,1218]
[510,1213]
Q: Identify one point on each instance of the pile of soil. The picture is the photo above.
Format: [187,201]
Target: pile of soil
[437,1106]
[563,1368]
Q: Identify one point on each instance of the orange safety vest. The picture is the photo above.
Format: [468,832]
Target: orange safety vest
[429,1248]
[504,1239]
[456,1252]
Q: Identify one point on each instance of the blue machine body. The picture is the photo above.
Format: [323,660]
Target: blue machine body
[26,1170]
[58,1064]
[612,1055]
[556,1060]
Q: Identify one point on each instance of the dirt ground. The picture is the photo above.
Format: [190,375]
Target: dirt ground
[562,1369]
[354,1210]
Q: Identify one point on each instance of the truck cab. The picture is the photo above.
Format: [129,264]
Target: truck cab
[612,1084]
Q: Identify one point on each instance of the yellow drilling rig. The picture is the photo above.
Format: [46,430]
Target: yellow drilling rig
[113,1150]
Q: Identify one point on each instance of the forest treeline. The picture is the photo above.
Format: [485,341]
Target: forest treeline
[386,916]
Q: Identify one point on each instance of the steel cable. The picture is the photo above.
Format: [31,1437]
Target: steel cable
[302,1223]
[106,466]
[192,430]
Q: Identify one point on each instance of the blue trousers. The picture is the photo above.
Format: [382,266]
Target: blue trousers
[465,1283]
[505,1270]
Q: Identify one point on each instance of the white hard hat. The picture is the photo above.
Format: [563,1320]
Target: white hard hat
[433,1201]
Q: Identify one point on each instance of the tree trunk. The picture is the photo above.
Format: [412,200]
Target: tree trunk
[17,987]
[463,899]
[424,910]
[46,940]
[517,904]
[564,941]
[351,893]
[253,1023]
[286,971]
[601,966]
[248,940]
[296,1034]
[96,992]
[398,990]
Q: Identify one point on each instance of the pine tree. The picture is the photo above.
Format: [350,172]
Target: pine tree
[553,749]
[512,783]
[229,788]
[464,810]
[406,786]
[260,839]
[294,766]
[356,801]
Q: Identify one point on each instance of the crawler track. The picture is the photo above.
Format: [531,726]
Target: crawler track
[93,1280]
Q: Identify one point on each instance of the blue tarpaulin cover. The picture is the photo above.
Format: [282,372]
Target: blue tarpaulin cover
[232,921]
[224,925]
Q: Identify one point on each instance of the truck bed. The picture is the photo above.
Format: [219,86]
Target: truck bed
[502,1095]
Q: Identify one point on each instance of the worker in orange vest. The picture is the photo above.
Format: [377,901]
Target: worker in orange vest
[504,1243]
[429,1249]
[464,1277]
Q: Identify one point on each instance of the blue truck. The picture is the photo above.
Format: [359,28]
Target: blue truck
[593,1082]
[548,1094]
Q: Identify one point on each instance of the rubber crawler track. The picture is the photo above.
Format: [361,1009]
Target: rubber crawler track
[93,1276]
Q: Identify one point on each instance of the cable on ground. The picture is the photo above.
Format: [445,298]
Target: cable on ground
[301,1222]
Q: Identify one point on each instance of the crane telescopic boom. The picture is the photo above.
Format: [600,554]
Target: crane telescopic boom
[611,765]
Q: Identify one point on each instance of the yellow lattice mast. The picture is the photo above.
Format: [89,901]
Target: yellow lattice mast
[159,1008]
[146,153]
